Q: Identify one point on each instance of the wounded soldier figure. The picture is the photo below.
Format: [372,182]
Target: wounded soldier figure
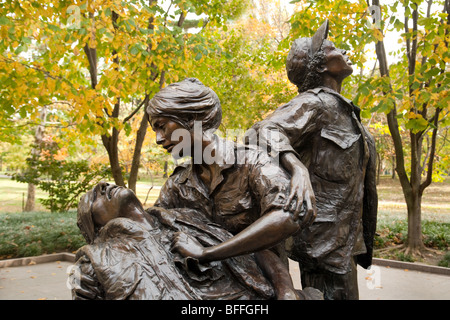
[128,255]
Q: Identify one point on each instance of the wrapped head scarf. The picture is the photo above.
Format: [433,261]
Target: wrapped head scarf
[185,102]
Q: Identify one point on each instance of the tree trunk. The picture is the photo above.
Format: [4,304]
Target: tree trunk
[393,167]
[110,140]
[140,136]
[414,243]
[110,143]
[379,164]
[31,196]
[165,169]
[38,136]
[411,188]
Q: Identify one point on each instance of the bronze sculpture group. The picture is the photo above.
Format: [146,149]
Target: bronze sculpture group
[226,222]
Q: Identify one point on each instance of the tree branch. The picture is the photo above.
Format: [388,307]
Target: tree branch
[146,98]
[413,53]
[116,109]
[181,19]
[428,179]
[45,72]
[91,54]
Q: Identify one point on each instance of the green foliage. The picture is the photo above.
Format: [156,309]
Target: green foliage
[28,234]
[239,69]
[445,262]
[91,60]
[401,256]
[64,180]
[435,234]
[13,156]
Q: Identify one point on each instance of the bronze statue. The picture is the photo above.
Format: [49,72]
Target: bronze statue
[320,135]
[214,230]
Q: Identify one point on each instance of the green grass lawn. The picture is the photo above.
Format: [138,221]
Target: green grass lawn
[435,201]
[40,232]
[13,194]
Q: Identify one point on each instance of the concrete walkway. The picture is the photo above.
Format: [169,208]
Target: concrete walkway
[402,282]
[45,278]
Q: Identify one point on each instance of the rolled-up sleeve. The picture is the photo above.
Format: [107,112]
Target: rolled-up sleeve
[269,183]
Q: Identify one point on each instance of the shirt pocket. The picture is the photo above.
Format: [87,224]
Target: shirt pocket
[343,138]
[338,155]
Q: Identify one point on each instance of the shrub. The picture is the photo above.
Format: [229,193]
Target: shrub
[436,235]
[64,180]
[445,262]
[28,234]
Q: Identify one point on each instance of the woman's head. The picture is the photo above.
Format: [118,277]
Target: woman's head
[185,102]
[102,204]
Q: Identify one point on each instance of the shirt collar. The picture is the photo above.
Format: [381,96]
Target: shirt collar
[350,103]
[225,158]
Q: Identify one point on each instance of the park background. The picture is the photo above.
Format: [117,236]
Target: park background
[76,76]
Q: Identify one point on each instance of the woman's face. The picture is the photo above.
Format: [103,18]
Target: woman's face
[109,201]
[164,129]
[337,62]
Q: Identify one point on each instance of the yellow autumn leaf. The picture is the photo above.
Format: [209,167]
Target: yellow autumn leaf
[154,43]
[51,84]
[134,86]
[378,35]
[412,115]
